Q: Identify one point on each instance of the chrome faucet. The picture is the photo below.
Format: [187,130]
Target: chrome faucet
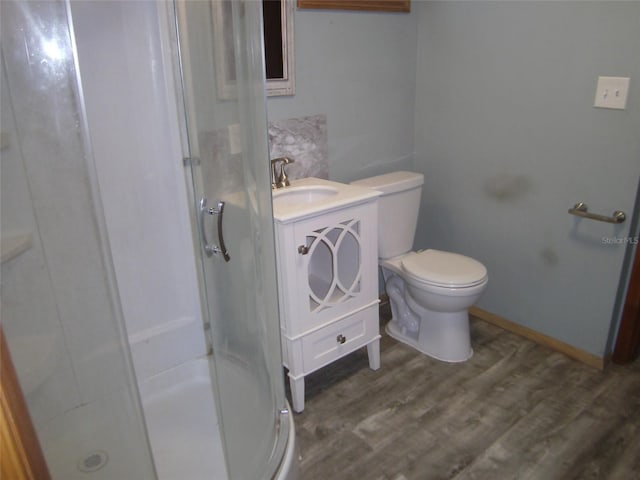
[279,180]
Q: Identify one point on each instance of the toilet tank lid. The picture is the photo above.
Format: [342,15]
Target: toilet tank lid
[392,182]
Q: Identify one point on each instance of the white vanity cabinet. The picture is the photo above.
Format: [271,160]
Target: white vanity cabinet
[328,284]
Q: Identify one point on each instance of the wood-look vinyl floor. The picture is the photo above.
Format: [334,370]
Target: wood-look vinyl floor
[516,410]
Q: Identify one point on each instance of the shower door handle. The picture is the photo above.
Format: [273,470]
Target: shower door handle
[209,248]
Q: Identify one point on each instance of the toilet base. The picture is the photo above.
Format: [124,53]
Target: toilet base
[396,332]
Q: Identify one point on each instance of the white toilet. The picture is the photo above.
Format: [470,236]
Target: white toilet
[430,291]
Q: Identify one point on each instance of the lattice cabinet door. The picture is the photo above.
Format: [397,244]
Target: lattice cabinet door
[335,266]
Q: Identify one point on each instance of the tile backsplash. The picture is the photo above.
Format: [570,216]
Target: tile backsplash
[304,140]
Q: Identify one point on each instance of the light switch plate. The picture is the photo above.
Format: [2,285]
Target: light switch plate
[611,92]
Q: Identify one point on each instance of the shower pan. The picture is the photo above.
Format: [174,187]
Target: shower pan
[117,384]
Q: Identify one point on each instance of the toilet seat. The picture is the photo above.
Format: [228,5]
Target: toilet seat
[443,269]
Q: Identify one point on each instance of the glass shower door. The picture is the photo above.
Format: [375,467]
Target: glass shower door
[60,307]
[222,74]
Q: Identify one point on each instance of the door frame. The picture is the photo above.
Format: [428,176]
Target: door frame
[21,456]
[628,340]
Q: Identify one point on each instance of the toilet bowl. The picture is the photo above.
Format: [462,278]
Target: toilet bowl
[430,309]
[430,291]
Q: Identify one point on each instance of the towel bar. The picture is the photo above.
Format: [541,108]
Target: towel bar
[580,209]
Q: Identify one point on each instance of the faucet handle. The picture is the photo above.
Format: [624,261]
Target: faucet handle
[285,160]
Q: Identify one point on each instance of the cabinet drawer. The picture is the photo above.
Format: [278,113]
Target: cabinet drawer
[340,338]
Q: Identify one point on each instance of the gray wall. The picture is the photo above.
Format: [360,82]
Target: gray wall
[495,99]
[508,139]
[358,68]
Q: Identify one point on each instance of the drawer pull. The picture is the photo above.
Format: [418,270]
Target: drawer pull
[341,339]
[303,249]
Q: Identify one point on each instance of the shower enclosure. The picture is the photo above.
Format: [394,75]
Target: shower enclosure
[94,288]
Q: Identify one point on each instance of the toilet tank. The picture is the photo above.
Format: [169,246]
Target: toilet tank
[397,210]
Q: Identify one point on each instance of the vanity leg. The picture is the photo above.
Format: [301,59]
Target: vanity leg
[373,351]
[297,393]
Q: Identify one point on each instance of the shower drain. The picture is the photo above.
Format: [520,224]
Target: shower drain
[93,461]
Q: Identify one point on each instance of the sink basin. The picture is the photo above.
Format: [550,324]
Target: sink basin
[303,195]
[308,197]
